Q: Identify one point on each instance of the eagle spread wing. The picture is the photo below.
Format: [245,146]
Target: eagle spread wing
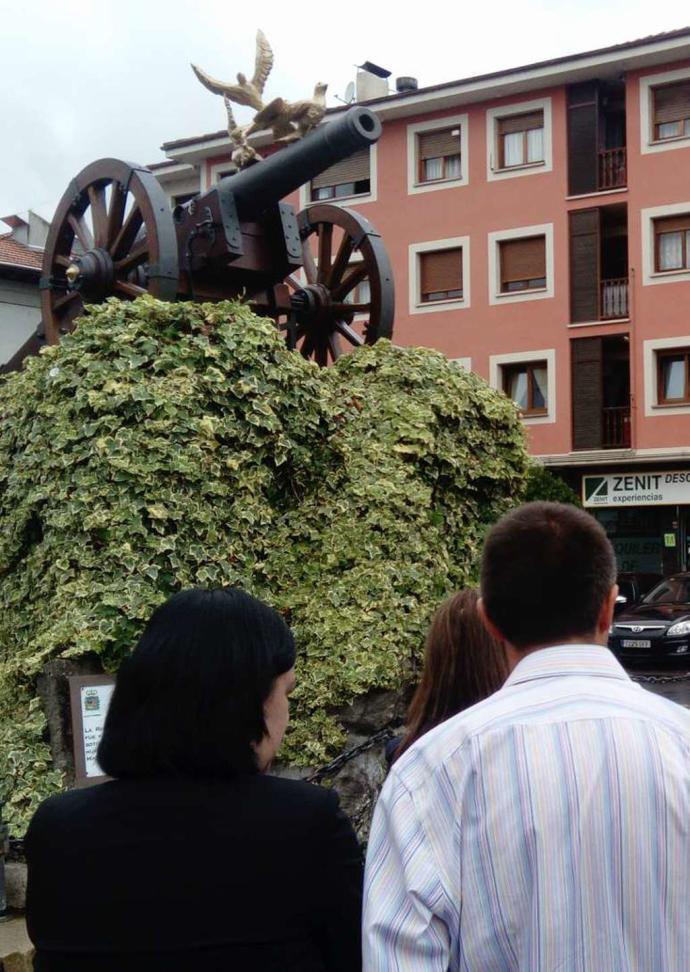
[264,61]
[240,94]
[232,124]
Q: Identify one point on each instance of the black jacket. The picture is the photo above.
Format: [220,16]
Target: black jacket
[249,875]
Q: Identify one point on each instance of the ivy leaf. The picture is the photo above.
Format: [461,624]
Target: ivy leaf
[165,445]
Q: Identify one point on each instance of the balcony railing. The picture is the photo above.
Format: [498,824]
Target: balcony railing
[613,172]
[613,300]
[615,433]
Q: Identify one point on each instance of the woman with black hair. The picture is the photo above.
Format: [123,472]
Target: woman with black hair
[192,856]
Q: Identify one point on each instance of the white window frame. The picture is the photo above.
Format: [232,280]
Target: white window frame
[218,170]
[520,232]
[652,406]
[650,275]
[497,362]
[417,306]
[419,128]
[647,142]
[371,196]
[493,173]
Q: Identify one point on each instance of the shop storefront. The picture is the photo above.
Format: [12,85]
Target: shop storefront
[646,514]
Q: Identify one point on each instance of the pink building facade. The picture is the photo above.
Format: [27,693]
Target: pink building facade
[538,223]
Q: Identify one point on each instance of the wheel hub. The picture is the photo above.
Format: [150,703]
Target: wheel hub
[92,274]
[312,305]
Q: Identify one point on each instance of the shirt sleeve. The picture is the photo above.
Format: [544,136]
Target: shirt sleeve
[406,909]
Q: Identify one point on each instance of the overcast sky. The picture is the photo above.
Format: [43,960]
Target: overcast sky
[95,78]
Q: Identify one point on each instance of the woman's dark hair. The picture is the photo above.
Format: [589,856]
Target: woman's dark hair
[463,664]
[189,699]
[547,569]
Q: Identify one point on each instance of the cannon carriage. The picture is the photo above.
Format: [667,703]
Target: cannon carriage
[322,274]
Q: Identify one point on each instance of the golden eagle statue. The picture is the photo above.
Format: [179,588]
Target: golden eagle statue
[286,120]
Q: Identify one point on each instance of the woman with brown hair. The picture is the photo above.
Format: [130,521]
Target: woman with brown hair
[463,664]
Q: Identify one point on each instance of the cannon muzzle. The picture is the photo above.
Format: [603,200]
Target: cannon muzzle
[260,186]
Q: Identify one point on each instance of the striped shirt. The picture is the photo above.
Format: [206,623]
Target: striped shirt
[546,829]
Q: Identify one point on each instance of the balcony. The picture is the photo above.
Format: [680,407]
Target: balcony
[600,387]
[613,301]
[615,432]
[612,172]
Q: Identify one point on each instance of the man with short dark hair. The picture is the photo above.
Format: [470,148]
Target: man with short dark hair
[548,827]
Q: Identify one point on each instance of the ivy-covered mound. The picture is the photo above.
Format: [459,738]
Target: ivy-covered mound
[168,445]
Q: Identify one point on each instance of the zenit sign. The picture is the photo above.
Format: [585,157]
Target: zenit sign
[637,489]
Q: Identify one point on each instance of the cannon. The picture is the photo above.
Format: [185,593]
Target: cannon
[323,275]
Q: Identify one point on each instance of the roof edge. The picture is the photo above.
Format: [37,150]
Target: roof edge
[400,99]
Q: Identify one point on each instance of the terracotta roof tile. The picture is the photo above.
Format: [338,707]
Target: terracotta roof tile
[17,254]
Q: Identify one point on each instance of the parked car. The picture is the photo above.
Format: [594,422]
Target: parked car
[632,587]
[656,629]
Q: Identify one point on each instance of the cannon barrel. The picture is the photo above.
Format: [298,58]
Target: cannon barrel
[266,183]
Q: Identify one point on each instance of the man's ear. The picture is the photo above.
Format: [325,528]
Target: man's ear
[606,614]
[487,622]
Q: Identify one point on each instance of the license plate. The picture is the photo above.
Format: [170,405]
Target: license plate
[635,643]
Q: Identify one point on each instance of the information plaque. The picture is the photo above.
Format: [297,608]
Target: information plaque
[89,701]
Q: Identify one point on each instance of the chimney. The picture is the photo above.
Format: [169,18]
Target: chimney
[406,84]
[372,81]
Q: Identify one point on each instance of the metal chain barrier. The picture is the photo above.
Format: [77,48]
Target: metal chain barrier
[389,731]
[336,764]
[661,679]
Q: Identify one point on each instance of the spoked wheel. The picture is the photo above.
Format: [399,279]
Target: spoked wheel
[112,236]
[348,298]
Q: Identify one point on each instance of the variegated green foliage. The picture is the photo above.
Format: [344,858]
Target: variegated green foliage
[168,445]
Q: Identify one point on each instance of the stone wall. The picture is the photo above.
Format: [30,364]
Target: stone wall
[360,779]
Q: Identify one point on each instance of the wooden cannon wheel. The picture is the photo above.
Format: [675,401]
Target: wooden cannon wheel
[112,235]
[347,298]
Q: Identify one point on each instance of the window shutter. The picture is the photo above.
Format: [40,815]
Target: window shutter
[523,259]
[354,169]
[587,392]
[520,123]
[440,271]
[671,224]
[583,138]
[584,265]
[432,145]
[671,102]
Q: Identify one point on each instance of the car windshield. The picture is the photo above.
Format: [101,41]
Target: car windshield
[673,590]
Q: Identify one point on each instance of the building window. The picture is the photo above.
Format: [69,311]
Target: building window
[673,377]
[439,157]
[671,106]
[437,154]
[440,275]
[183,198]
[219,173]
[526,384]
[672,243]
[520,140]
[522,264]
[361,294]
[529,378]
[351,177]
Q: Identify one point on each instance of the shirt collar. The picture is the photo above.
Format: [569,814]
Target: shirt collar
[572,659]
